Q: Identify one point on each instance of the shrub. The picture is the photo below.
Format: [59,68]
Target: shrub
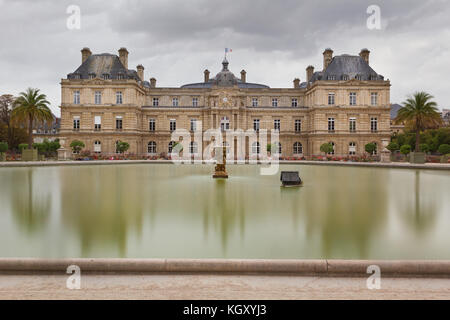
[424,147]
[444,149]
[326,148]
[122,146]
[76,146]
[23,146]
[405,149]
[370,148]
[393,146]
[3,147]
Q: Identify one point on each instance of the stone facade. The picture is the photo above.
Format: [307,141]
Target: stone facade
[104,102]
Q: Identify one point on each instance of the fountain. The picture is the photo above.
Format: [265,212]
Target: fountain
[220,170]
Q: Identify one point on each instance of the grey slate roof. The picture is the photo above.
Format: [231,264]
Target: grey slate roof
[100,64]
[394,110]
[225,78]
[347,67]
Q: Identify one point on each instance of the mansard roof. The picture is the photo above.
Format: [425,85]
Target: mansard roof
[347,67]
[225,78]
[98,65]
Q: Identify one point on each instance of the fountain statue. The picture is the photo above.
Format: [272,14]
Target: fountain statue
[220,170]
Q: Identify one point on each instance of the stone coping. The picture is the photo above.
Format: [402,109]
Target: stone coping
[397,165]
[321,267]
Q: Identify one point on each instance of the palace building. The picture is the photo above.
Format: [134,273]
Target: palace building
[345,103]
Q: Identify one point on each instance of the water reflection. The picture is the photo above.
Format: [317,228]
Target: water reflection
[30,209]
[180,211]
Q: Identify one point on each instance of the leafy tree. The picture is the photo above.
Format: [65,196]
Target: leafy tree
[122,146]
[419,113]
[8,131]
[326,148]
[444,149]
[370,148]
[76,146]
[393,146]
[405,149]
[3,147]
[29,107]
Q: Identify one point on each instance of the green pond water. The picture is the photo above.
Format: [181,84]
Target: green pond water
[179,211]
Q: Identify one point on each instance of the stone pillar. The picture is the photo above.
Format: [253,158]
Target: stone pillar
[385,153]
[63,153]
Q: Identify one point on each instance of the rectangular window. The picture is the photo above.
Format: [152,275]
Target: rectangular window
[254,102]
[119,123]
[330,124]
[331,100]
[76,97]
[352,124]
[374,98]
[373,124]
[277,124]
[193,124]
[151,124]
[174,102]
[294,102]
[256,124]
[119,98]
[97,123]
[98,97]
[76,123]
[173,125]
[195,102]
[352,148]
[298,125]
[155,102]
[274,102]
[352,97]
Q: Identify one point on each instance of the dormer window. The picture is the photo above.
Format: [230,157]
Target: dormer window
[120,76]
[92,76]
[358,77]
[332,77]
[77,76]
[106,76]
[345,77]
[373,77]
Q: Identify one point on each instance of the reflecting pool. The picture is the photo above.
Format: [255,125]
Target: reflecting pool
[179,211]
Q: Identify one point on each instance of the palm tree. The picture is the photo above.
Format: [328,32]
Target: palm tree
[419,113]
[29,107]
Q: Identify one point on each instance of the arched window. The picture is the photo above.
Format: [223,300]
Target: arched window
[97,146]
[193,147]
[151,147]
[255,148]
[333,145]
[298,148]
[171,144]
[224,124]
[352,148]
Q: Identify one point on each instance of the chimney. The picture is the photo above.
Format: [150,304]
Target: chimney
[243,76]
[140,71]
[85,53]
[327,57]
[206,72]
[365,54]
[296,83]
[309,73]
[152,83]
[123,56]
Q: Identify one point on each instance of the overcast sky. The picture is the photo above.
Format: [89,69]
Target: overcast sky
[274,41]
